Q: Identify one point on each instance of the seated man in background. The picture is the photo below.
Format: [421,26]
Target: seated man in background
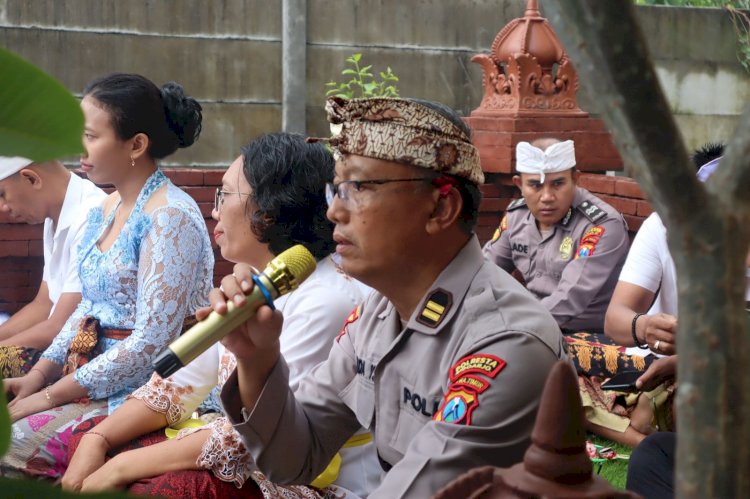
[568,245]
[444,362]
[34,193]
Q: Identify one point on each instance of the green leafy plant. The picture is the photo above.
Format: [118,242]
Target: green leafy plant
[362,83]
[39,118]
[741,23]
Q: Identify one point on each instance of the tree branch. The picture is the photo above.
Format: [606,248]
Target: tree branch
[610,54]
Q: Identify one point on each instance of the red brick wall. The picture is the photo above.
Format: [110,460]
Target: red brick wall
[21,255]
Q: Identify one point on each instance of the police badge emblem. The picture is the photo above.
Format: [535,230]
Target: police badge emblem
[566,248]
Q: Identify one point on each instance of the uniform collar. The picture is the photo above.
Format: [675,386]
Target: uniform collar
[440,304]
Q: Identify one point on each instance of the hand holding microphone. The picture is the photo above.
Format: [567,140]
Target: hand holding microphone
[260,332]
[282,275]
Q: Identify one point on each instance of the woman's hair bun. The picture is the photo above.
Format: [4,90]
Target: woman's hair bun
[183,113]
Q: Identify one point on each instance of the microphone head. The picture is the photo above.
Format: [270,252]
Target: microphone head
[290,268]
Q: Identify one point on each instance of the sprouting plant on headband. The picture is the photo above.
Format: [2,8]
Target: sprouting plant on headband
[362,83]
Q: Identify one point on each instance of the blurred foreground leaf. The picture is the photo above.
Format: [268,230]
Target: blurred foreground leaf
[4,424]
[33,488]
[39,118]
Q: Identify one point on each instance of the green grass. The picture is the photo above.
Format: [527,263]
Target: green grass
[614,471]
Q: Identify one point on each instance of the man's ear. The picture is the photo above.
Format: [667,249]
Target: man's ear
[31,177]
[447,210]
[140,145]
[517,181]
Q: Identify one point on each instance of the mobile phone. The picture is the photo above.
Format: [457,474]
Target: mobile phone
[623,381]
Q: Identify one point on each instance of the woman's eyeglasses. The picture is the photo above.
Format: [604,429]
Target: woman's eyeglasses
[219,197]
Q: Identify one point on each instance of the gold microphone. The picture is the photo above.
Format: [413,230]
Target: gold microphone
[282,275]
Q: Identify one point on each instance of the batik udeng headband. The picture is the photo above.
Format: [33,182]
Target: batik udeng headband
[402,131]
[556,158]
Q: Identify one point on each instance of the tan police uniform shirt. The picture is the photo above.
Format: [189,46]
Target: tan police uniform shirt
[455,387]
[573,270]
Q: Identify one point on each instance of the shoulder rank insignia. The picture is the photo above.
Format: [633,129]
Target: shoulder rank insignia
[352,318]
[592,211]
[515,204]
[437,304]
[500,228]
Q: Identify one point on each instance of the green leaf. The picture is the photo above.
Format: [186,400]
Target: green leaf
[356,57]
[349,72]
[39,118]
[4,424]
[35,488]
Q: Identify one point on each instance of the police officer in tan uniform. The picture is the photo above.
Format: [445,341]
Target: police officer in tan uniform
[445,362]
[568,245]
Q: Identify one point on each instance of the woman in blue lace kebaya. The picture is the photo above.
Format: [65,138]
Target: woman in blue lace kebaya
[272,198]
[145,263]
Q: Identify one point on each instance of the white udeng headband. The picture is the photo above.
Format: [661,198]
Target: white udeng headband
[557,158]
[12,164]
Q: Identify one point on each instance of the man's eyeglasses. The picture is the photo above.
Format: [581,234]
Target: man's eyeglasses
[219,197]
[347,189]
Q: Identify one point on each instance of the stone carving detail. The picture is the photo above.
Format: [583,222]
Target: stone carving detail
[527,71]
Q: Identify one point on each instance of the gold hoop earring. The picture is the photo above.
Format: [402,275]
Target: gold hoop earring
[132,162]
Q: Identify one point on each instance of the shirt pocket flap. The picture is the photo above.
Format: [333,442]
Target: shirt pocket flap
[358,395]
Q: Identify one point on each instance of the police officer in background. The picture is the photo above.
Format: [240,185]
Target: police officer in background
[568,245]
[445,362]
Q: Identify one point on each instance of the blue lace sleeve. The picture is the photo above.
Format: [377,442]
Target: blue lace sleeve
[171,254]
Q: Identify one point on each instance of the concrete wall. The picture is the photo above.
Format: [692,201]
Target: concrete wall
[227,54]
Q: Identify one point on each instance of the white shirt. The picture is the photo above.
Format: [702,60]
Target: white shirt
[649,264]
[61,242]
